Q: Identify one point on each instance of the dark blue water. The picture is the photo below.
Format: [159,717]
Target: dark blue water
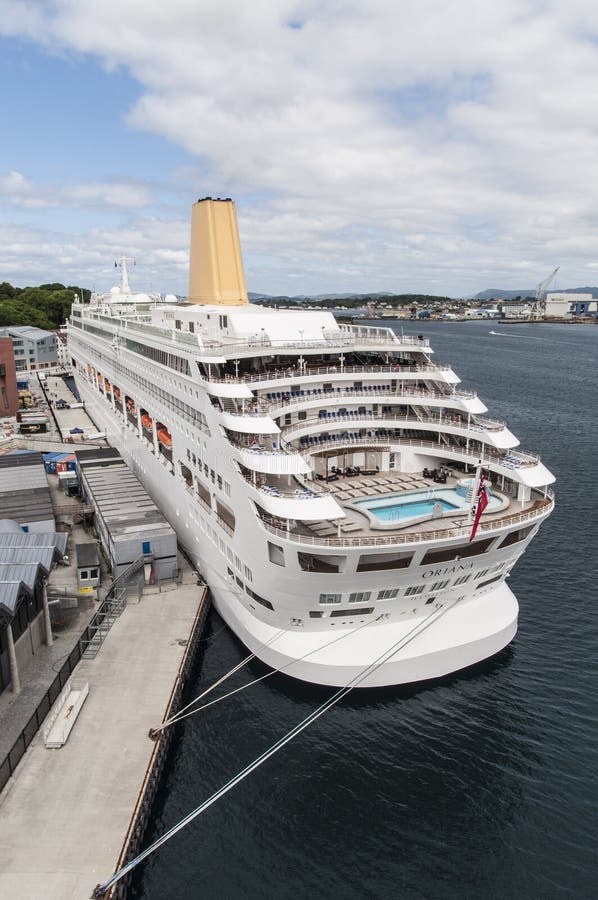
[481,786]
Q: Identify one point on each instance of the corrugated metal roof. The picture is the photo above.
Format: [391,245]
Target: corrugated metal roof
[22,555]
[122,501]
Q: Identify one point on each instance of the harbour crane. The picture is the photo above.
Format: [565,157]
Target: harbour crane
[539,304]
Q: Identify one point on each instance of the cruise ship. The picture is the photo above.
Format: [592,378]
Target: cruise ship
[325,478]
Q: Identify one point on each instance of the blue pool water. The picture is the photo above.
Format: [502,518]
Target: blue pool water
[417,503]
[407,510]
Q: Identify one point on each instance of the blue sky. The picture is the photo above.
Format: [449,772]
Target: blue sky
[379,146]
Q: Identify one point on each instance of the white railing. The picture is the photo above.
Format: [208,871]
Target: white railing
[516,458]
[290,401]
[295,372]
[353,419]
[540,509]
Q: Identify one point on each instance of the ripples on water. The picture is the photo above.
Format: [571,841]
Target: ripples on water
[482,785]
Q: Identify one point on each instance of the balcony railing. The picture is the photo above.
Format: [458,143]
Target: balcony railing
[479,425]
[296,372]
[540,509]
[289,400]
[512,459]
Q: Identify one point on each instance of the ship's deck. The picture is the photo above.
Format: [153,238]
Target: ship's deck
[347,489]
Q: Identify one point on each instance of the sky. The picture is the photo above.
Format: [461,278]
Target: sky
[370,145]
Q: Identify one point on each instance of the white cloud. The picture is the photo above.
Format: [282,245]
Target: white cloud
[374,145]
[20,190]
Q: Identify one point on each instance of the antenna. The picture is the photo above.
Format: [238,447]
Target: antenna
[124,275]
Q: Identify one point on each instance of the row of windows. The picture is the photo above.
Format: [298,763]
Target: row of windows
[413,590]
[216,479]
[224,548]
[249,591]
[171,360]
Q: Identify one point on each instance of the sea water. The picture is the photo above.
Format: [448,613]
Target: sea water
[482,785]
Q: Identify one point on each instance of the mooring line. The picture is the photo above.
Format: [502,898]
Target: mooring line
[102,889]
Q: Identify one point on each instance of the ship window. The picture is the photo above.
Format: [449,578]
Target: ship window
[93,573]
[458,552]
[515,536]
[275,554]
[301,415]
[414,589]
[372,562]
[360,611]
[360,596]
[439,585]
[462,579]
[225,515]
[239,581]
[330,598]
[316,613]
[192,327]
[310,562]
[430,600]
[388,594]
[177,324]
[258,599]
[488,581]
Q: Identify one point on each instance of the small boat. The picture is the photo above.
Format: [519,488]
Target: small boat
[164,437]
[147,421]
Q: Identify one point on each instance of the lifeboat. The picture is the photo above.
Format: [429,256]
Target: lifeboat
[89,369]
[131,405]
[99,377]
[116,393]
[147,421]
[164,437]
[106,384]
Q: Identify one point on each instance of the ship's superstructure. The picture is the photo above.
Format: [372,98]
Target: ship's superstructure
[322,476]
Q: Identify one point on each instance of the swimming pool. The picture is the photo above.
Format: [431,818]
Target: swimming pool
[417,504]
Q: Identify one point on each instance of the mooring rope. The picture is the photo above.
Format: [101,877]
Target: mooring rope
[274,671]
[154,732]
[102,889]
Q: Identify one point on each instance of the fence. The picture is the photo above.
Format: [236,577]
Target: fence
[16,753]
[87,646]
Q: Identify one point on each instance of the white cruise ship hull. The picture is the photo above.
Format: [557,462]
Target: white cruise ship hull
[465,630]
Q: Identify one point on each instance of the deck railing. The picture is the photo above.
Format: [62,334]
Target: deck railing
[515,458]
[479,425]
[295,372]
[540,509]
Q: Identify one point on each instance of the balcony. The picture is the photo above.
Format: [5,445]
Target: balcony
[286,401]
[306,372]
[491,431]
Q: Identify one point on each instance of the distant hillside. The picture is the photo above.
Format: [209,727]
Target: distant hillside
[46,306]
[500,294]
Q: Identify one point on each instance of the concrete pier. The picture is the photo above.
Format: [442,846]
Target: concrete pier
[66,815]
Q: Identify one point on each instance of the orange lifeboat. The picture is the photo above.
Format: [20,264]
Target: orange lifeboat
[131,405]
[147,421]
[99,377]
[164,437]
[117,393]
[106,384]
